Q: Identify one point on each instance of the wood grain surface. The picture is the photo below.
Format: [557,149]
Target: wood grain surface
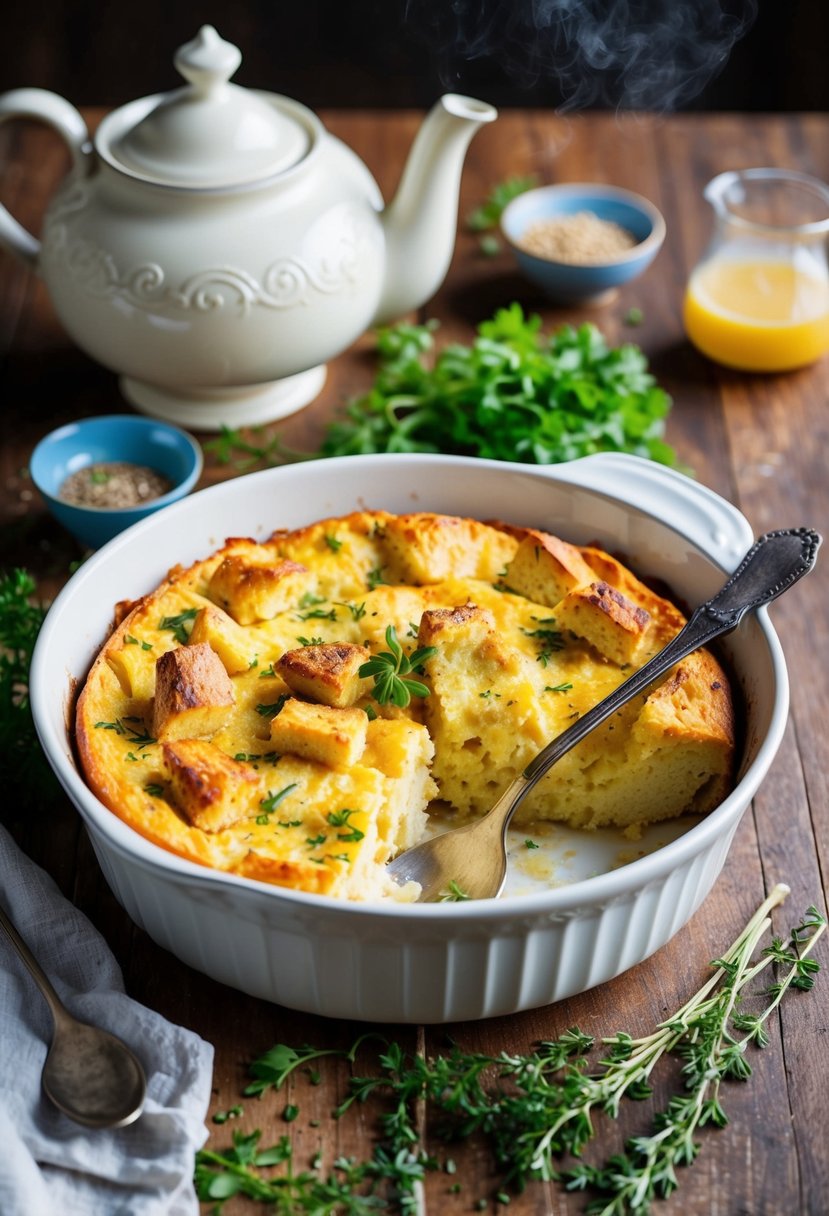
[761,442]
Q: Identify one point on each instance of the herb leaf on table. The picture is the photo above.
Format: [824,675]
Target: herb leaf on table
[20,622]
[535,1109]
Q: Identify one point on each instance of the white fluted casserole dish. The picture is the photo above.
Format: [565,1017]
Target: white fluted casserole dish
[423,963]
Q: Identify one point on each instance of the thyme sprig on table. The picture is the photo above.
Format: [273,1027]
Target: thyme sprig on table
[537,1109]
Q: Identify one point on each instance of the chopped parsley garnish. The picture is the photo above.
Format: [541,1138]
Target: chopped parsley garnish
[557,687]
[530,844]
[273,800]
[453,894]
[117,726]
[550,640]
[340,819]
[308,600]
[255,758]
[155,791]
[131,641]
[141,739]
[178,624]
[390,669]
[313,841]
[358,611]
[268,710]
[310,641]
[374,578]
[333,544]
[267,672]
[318,614]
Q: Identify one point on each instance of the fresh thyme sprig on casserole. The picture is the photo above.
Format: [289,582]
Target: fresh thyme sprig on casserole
[391,671]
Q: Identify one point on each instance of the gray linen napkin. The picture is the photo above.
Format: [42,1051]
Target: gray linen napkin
[51,1166]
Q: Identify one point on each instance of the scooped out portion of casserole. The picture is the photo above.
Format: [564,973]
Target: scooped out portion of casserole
[288,710]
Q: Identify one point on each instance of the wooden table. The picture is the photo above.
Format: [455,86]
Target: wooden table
[758,441]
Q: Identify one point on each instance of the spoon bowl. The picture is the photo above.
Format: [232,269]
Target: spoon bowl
[89,1074]
[471,862]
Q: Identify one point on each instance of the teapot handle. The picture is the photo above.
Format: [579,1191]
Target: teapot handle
[46,107]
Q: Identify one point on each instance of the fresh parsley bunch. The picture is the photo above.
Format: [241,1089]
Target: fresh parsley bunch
[514,394]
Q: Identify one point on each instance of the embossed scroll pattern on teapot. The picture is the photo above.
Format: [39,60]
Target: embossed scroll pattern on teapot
[216,245]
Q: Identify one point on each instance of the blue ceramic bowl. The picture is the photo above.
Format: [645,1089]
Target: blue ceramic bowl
[568,284]
[115,437]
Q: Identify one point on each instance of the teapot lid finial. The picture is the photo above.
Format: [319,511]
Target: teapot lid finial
[207,61]
[209,134]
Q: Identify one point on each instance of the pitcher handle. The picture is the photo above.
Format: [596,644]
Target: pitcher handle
[46,107]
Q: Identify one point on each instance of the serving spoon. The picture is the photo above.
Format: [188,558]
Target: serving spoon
[89,1074]
[471,862]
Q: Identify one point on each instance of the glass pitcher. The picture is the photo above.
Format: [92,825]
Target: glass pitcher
[759,298]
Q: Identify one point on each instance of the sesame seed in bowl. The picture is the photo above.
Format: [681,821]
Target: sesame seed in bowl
[579,242]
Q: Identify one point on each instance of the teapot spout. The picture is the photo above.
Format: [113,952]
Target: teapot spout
[420,223]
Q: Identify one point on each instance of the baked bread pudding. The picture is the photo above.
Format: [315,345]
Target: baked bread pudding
[288,710]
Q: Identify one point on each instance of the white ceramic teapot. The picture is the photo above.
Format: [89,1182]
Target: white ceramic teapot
[216,245]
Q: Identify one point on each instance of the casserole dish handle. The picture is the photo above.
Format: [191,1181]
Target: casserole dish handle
[708,520]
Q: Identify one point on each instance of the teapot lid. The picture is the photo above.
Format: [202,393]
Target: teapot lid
[210,133]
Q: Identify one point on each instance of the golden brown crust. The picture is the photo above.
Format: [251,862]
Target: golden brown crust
[326,673]
[254,591]
[208,786]
[193,693]
[607,619]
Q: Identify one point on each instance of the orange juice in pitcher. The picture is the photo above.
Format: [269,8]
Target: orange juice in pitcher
[759,299]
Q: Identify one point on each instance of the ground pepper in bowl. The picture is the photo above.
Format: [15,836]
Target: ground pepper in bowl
[112,485]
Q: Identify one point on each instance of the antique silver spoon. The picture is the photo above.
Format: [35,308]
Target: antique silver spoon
[89,1074]
[472,860]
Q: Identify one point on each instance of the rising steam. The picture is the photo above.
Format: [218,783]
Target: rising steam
[630,54]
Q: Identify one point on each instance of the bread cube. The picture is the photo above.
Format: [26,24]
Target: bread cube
[193,693]
[425,548]
[467,623]
[134,666]
[666,619]
[605,618]
[326,673]
[230,641]
[331,736]
[211,789]
[545,569]
[253,592]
